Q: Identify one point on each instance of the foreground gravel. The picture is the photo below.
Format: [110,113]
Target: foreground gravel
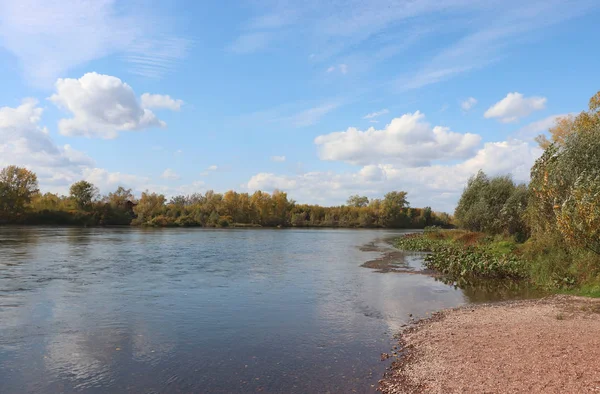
[550,345]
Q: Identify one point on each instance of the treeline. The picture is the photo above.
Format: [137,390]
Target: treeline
[21,202]
[558,213]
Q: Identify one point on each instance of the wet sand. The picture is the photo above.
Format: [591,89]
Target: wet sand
[394,260]
[550,345]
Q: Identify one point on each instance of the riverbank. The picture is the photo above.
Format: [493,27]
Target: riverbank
[550,345]
[464,258]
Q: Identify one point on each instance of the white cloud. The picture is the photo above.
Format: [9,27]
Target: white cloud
[24,142]
[160,101]
[498,27]
[312,115]
[278,158]
[170,174]
[101,105]
[268,182]
[514,106]
[250,42]
[406,141]
[153,57]
[376,114]
[343,68]
[540,126]
[50,38]
[438,185]
[291,114]
[342,30]
[108,181]
[211,168]
[468,103]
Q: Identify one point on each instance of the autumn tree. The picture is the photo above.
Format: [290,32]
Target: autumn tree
[565,184]
[568,125]
[149,206]
[83,193]
[17,187]
[119,197]
[358,201]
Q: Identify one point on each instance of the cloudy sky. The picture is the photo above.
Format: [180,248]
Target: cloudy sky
[319,98]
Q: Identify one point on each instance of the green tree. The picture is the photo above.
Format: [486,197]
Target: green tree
[358,201]
[393,209]
[83,193]
[17,187]
[493,205]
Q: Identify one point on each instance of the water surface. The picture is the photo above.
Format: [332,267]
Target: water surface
[195,310]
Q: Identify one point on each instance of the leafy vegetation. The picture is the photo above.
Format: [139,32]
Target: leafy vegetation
[21,202]
[547,231]
[453,254]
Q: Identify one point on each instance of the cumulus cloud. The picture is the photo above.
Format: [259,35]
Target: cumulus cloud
[108,181]
[406,141]
[278,158]
[170,174]
[514,107]
[101,106]
[376,114]
[468,103]
[437,185]
[160,101]
[24,142]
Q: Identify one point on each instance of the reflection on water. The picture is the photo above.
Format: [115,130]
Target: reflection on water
[177,310]
[478,291]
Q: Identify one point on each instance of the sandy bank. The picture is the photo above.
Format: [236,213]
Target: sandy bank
[550,345]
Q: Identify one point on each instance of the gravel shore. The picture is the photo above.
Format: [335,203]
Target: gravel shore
[551,345]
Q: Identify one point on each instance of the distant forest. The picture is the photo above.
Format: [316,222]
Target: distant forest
[21,202]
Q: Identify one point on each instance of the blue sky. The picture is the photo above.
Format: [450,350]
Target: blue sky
[322,99]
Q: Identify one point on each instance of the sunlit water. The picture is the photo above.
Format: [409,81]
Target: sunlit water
[198,311]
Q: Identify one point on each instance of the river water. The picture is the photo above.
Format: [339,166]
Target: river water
[201,311]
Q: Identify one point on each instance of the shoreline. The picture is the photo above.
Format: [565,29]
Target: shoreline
[545,345]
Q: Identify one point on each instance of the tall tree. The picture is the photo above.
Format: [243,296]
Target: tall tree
[17,187]
[394,206]
[83,193]
[568,125]
[358,201]
[565,184]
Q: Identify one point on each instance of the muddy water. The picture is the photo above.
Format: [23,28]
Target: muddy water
[166,311]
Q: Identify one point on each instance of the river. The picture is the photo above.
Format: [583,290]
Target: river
[111,310]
